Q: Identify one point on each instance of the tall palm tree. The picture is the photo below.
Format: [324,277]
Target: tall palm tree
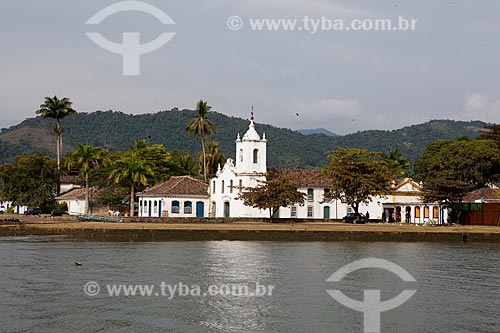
[57,109]
[183,164]
[397,163]
[85,158]
[201,128]
[214,157]
[133,170]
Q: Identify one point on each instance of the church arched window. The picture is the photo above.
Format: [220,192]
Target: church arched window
[241,155]
[256,156]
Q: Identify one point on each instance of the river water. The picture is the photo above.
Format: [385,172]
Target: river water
[42,290]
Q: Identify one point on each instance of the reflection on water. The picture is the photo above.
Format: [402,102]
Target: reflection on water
[41,289]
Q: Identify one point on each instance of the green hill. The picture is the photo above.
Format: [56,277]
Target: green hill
[286,148]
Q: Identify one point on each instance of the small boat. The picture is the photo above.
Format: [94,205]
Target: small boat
[97,218]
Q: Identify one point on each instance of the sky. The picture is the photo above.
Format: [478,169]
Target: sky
[448,67]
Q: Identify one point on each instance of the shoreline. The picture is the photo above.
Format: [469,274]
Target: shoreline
[250,231]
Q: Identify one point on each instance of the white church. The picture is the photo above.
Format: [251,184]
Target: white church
[189,197]
[248,171]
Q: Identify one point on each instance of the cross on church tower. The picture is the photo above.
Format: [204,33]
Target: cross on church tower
[251,118]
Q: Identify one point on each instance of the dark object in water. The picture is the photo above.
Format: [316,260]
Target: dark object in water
[77,263]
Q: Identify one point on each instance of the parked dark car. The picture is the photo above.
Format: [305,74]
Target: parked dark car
[33,211]
[58,212]
[354,218]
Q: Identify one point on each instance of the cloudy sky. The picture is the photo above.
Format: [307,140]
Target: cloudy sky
[345,81]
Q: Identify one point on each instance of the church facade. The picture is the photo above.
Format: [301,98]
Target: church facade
[248,170]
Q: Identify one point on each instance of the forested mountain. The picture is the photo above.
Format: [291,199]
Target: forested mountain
[286,148]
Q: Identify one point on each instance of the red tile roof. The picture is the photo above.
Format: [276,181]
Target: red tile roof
[179,185]
[77,193]
[486,194]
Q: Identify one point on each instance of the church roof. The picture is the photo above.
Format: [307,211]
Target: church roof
[251,134]
[179,185]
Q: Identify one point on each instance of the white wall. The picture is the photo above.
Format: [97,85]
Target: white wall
[165,208]
[75,206]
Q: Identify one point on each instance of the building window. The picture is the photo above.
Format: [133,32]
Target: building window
[241,155]
[145,207]
[417,212]
[256,156]
[426,212]
[188,207]
[213,187]
[240,186]
[293,212]
[222,187]
[155,209]
[435,212]
[231,186]
[310,194]
[175,207]
[326,194]
[309,211]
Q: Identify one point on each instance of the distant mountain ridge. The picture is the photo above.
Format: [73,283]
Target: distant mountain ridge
[316,131]
[286,148]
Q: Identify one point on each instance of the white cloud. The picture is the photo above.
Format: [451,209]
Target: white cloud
[478,107]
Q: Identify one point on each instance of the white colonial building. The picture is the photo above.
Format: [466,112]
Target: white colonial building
[181,196]
[248,171]
[75,200]
[404,203]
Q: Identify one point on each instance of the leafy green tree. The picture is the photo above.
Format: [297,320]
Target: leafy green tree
[57,109]
[473,161]
[356,175]
[30,180]
[133,170]
[272,194]
[214,158]
[451,169]
[85,158]
[201,128]
[140,144]
[397,163]
[449,192]
[159,158]
[183,164]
